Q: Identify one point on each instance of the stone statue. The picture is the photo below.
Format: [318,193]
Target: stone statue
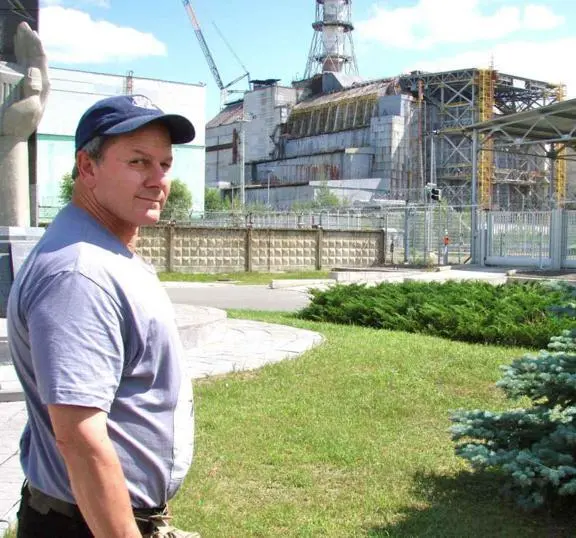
[24,87]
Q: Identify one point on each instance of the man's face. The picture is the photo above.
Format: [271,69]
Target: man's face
[130,180]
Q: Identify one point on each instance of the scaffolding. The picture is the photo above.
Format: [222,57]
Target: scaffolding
[454,100]
[559,163]
[485,84]
[129,83]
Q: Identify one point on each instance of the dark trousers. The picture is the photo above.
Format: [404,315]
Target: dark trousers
[33,524]
[65,520]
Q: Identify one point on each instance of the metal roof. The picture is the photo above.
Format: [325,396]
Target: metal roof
[379,87]
[555,123]
[232,113]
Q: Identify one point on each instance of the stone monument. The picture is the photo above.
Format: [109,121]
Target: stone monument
[24,87]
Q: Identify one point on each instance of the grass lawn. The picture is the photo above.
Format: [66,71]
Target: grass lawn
[241,278]
[350,440]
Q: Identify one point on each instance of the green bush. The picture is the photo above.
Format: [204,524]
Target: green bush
[534,448]
[516,314]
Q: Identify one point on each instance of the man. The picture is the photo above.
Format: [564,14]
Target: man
[92,334]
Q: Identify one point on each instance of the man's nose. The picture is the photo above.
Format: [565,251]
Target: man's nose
[156,175]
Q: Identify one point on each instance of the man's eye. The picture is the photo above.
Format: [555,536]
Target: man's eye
[138,162]
[166,166]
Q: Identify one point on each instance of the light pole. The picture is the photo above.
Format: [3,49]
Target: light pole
[242,165]
[268,187]
[246,117]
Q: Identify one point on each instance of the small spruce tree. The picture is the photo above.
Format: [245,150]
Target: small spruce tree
[533,447]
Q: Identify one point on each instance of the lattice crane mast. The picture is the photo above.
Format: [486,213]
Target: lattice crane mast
[208,55]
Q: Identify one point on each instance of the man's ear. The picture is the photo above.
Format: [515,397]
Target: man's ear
[86,168]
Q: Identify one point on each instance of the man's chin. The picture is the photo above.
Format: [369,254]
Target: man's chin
[149,218]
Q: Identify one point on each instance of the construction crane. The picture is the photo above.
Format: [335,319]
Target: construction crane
[224,91]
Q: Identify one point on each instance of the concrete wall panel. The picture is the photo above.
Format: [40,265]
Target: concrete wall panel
[221,250]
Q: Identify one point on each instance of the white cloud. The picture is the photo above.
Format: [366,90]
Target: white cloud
[72,36]
[541,18]
[98,3]
[528,59]
[432,22]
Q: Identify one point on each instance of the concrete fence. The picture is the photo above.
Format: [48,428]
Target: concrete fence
[220,250]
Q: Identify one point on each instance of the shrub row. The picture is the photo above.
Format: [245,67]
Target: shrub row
[515,314]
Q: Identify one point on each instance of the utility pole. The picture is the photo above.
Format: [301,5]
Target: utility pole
[242,164]
[246,117]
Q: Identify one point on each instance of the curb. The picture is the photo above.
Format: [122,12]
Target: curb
[308,283]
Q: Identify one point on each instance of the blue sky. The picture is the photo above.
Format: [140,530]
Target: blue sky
[154,38]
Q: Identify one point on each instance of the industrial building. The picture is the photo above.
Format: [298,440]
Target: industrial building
[72,92]
[374,142]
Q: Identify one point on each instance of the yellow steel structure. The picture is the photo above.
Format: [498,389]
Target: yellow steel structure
[559,162]
[485,101]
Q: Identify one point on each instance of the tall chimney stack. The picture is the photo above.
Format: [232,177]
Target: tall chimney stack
[332,48]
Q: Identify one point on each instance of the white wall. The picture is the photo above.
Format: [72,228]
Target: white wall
[72,92]
[264,108]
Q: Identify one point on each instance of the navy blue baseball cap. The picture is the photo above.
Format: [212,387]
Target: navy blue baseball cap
[125,113]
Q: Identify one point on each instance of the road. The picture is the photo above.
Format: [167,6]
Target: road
[239,297]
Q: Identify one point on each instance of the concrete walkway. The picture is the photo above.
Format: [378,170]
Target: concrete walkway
[223,346]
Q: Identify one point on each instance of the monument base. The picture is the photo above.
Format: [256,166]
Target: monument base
[15,245]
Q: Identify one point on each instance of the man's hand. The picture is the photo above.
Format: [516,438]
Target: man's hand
[21,114]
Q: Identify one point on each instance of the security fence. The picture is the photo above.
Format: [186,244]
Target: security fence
[543,239]
[423,235]
[417,235]
[433,234]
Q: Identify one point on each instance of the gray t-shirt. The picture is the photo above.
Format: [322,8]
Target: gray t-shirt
[90,325]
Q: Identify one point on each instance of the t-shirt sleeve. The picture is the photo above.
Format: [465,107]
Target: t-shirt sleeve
[76,339]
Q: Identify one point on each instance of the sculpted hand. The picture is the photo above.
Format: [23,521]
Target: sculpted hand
[23,109]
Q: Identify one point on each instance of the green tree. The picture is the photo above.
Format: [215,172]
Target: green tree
[213,200]
[325,198]
[179,202]
[66,188]
[534,448]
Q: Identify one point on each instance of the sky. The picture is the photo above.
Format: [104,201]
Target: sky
[155,38]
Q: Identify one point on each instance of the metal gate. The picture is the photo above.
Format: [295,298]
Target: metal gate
[542,239]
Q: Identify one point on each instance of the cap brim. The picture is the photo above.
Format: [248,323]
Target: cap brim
[180,128]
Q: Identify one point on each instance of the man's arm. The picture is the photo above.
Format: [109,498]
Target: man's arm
[97,479]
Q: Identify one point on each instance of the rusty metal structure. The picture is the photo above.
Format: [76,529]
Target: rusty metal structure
[450,101]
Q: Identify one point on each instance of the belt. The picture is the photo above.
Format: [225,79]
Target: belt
[43,503]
